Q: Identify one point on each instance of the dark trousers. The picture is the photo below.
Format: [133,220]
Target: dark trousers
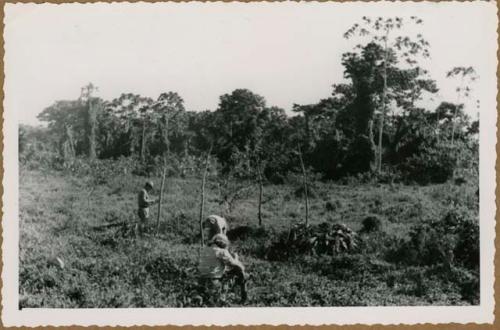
[237,274]
[141,225]
[211,287]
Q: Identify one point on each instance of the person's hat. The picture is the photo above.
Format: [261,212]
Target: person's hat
[149,184]
[220,240]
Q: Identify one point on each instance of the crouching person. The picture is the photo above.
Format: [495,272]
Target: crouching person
[217,265]
[214,225]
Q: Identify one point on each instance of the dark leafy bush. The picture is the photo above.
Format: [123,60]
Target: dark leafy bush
[430,165]
[360,155]
[320,239]
[421,284]
[300,191]
[77,294]
[467,248]
[452,239]
[276,178]
[372,223]
[333,205]
[419,250]
[468,282]
[245,232]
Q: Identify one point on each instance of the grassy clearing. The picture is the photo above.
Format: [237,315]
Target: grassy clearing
[109,268]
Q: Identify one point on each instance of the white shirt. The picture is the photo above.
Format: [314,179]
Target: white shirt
[214,261]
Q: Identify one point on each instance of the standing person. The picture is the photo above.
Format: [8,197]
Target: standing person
[144,201]
[218,264]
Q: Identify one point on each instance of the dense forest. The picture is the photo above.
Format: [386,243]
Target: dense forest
[373,123]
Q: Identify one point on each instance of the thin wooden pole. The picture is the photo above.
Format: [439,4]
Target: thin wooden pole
[305,185]
[161,195]
[92,114]
[202,192]
[259,173]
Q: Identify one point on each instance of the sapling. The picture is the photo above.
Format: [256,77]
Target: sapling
[202,193]
[304,176]
[161,194]
[259,174]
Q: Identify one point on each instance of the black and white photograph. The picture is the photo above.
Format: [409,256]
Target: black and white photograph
[173,163]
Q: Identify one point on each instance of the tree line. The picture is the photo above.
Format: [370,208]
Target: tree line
[371,124]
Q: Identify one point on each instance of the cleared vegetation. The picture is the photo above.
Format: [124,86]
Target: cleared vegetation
[69,258]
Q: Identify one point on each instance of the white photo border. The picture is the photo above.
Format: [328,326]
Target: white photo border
[483,313]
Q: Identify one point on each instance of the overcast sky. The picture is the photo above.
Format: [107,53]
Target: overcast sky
[287,52]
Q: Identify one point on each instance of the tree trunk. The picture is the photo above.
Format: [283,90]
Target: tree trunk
[165,135]
[131,138]
[371,137]
[382,115]
[161,195]
[202,192]
[381,125]
[143,141]
[71,143]
[306,197]
[259,173]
